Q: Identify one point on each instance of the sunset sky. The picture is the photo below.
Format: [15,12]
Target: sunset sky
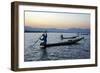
[57,20]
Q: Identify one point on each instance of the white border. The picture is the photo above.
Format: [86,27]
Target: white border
[33,64]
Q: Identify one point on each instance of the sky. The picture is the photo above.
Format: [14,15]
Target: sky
[59,20]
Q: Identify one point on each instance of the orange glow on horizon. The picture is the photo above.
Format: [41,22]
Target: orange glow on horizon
[57,20]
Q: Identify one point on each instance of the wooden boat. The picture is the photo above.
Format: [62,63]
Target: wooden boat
[69,42]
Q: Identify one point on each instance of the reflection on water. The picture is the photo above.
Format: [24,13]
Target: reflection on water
[33,51]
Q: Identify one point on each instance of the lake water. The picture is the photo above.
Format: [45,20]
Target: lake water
[33,52]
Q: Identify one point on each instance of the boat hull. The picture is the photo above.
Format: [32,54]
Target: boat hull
[69,42]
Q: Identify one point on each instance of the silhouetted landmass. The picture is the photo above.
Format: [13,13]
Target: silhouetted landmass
[71,30]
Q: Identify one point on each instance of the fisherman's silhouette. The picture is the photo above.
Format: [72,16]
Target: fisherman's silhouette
[43,45]
[61,37]
[43,39]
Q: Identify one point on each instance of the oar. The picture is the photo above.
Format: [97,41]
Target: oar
[35,42]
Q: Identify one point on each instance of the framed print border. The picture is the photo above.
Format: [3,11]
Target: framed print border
[15,35]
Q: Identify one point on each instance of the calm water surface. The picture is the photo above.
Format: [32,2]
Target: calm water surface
[33,52]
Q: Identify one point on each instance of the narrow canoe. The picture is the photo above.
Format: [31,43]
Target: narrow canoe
[69,42]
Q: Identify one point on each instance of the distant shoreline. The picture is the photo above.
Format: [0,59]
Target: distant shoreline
[53,32]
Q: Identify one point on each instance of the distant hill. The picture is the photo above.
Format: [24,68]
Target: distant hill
[71,30]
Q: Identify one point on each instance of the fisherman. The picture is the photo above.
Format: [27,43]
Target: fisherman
[43,46]
[61,37]
[44,39]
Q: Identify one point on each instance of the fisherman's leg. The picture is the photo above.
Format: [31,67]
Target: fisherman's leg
[44,53]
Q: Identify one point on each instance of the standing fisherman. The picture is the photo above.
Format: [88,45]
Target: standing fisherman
[61,36]
[43,45]
[43,39]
